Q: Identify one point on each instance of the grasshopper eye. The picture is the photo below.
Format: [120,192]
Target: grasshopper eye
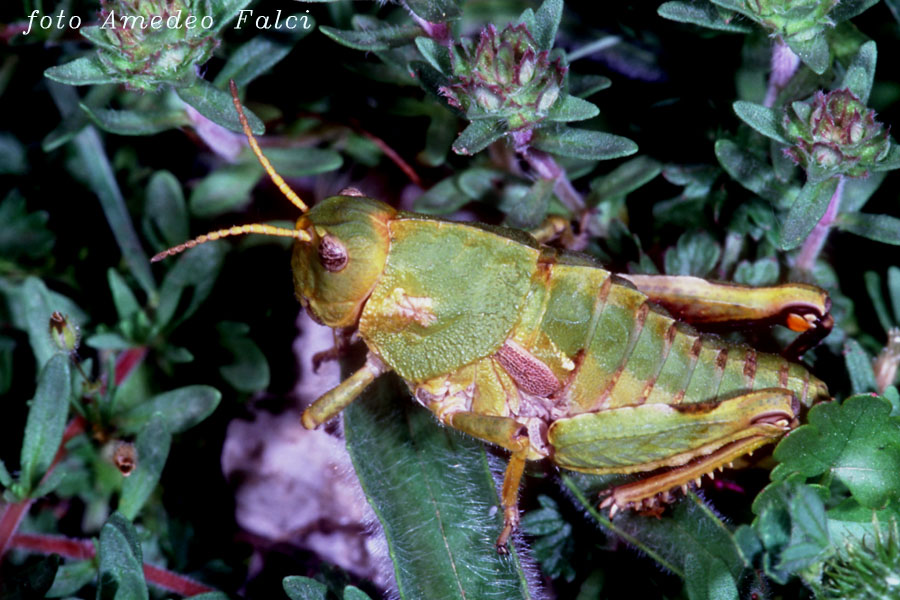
[332,253]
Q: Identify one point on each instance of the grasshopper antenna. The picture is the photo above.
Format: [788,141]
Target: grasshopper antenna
[298,234]
[276,178]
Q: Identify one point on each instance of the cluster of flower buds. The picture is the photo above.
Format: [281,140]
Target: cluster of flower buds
[507,76]
[835,134]
[798,19]
[155,41]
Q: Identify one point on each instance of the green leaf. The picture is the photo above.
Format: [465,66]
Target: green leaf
[373,37]
[195,270]
[97,172]
[6,479]
[861,73]
[894,290]
[847,9]
[478,136]
[858,190]
[225,11]
[304,588]
[249,372]
[881,228]
[709,579]
[814,52]
[71,577]
[809,531]
[300,162]
[354,593]
[121,571]
[443,198]
[890,162]
[703,14]
[218,106]
[696,253]
[554,547]
[762,272]
[476,182]
[432,490]
[152,449]
[530,209]
[30,580]
[257,56]
[134,122]
[806,211]
[762,119]
[582,143]
[436,11]
[224,190]
[23,233]
[81,71]
[873,288]
[624,179]
[177,410]
[126,304]
[857,442]
[46,420]
[572,108]
[165,218]
[436,54]
[12,155]
[546,23]
[859,366]
[751,172]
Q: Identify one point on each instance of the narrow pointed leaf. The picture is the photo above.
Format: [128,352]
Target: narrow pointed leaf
[702,14]
[81,71]
[546,20]
[372,39]
[46,420]
[98,173]
[436,11]
[478,136]
[133,122]
[121,575]
[218,106]
[177,410]
[814,52]
[859,366]
[582,143]
[152,450]
[433,492]
[881,228]
[806,211]
[304,588]
[572,108]
[861,74]
[762,119]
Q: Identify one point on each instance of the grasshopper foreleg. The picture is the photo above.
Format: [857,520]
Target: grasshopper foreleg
[334,401]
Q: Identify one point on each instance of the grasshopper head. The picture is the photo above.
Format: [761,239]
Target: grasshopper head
[336,270]
[340,250]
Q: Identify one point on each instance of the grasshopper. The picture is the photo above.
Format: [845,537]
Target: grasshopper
[543,352]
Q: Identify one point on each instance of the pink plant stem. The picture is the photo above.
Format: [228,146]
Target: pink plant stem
[547,168]
[813,245]
[84,549]
[784,65]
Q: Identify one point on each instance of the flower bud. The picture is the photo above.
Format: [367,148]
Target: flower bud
[506,76]
[65,334]
[835,134]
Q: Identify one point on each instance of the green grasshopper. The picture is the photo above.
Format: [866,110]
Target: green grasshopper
[543,352]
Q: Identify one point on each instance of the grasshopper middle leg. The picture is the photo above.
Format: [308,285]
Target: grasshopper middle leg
[507,433]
